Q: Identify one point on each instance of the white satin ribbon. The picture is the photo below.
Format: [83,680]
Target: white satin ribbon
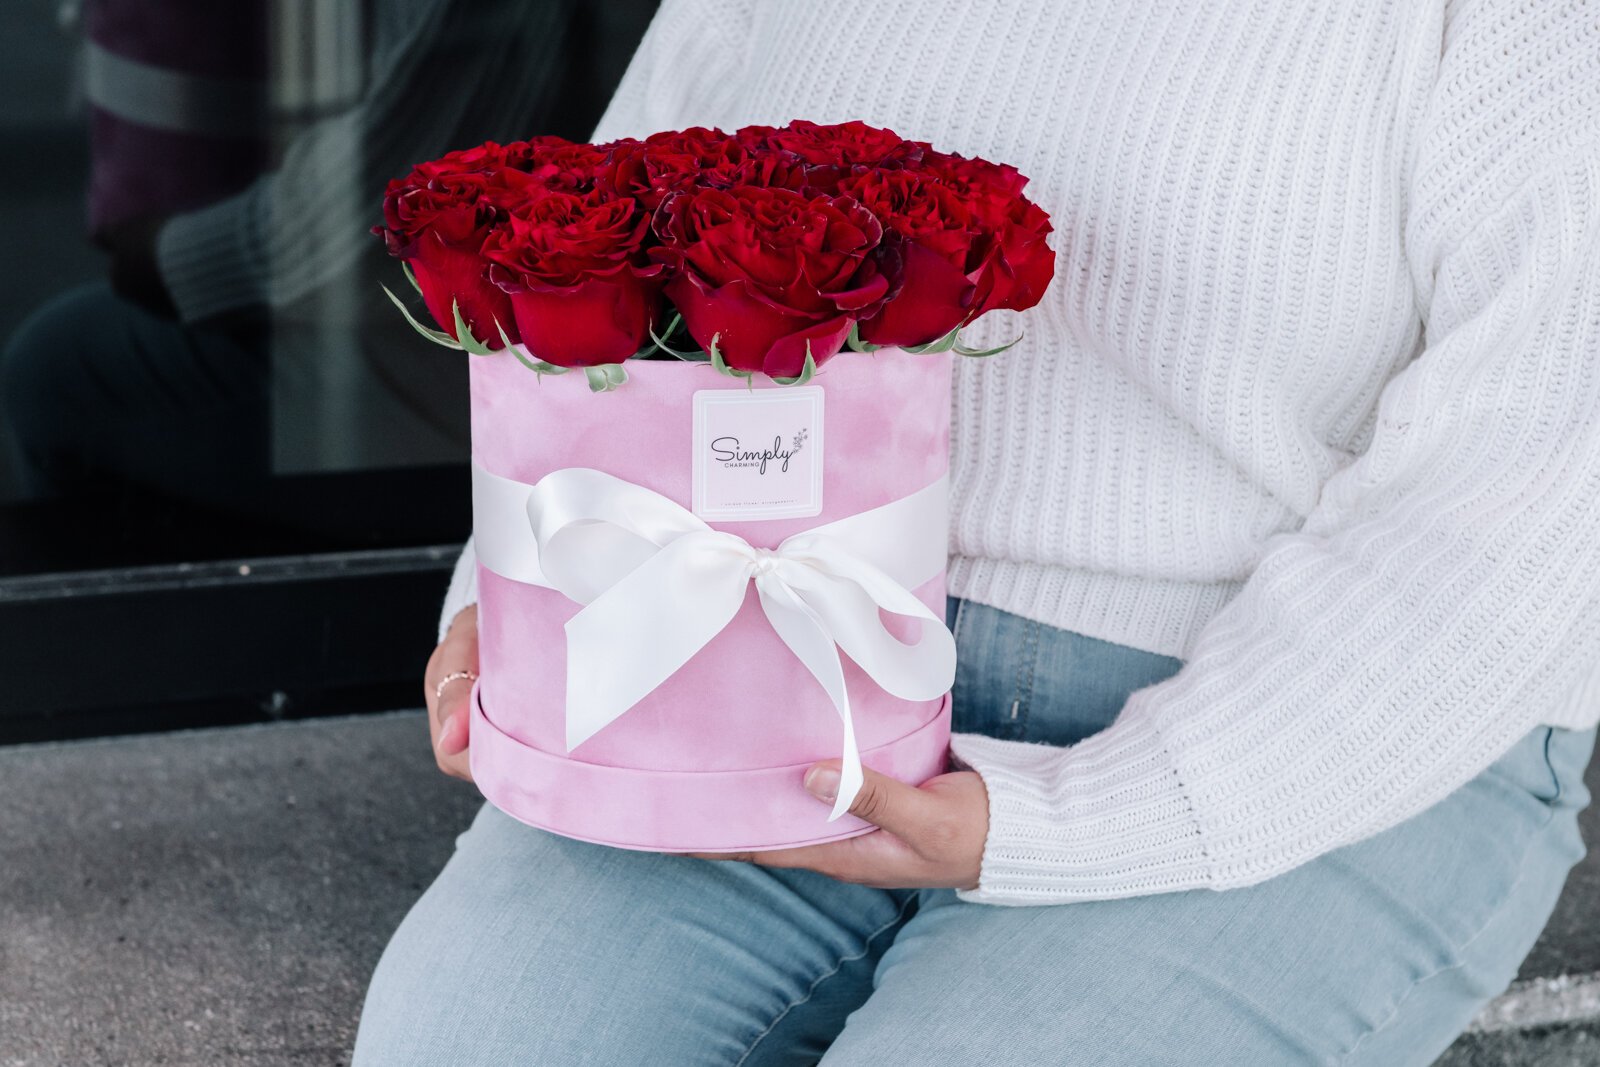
[657,584]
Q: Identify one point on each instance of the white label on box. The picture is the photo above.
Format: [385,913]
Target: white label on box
[758,455]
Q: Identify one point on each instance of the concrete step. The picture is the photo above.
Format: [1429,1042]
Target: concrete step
[219,897]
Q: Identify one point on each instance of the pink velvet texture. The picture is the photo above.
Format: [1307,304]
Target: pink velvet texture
[713,758]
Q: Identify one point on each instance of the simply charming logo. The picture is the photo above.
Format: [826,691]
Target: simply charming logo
[758,454]
[731,452]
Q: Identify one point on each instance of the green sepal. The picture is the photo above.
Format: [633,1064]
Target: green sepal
[807,372]
[538,366]
[410,277]
[469,344]
[438,337]
[720,365]
[854,341]
[606,377]
[979,353]
[695,356]
[943,344]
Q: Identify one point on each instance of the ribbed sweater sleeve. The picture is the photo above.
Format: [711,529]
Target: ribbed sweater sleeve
[453,69]
[685,65]
[1443,597]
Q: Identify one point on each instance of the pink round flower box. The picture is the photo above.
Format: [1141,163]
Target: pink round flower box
[713,758]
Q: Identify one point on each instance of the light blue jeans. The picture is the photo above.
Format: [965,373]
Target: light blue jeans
[533,949]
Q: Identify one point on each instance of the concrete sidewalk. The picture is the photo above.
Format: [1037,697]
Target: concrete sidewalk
[210,898]
[220,897]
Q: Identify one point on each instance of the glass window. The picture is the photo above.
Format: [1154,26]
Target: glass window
[232,482]
[198,361]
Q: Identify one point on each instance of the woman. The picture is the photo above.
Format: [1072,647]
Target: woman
[1275,571]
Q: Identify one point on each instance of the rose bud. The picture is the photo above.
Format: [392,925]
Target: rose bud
[581,289]
[769,274]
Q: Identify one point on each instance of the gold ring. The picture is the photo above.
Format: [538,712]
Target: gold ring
[453,676]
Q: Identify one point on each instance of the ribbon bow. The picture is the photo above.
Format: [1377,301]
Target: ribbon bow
[659,583]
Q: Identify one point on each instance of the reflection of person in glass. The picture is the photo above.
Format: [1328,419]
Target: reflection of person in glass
[161,379]
[1275,562]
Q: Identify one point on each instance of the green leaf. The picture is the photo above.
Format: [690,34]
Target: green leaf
[469,343]
[410,277]
[807,372]
[979,353]
[438,337]
[606,377]
[854,341]
[943,344]
[695,356]
[721,365]
[538,366]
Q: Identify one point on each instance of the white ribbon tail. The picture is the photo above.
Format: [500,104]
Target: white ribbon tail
[807,637]
[847,592]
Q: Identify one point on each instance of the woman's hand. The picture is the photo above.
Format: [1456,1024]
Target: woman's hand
[447,709]
[930,836]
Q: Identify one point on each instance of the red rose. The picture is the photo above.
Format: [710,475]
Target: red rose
[665,163]
[519,154]
[827,154]
[847,144]
[933,254]
[581,290]
[651,170]
[960,240]
[1019,263]
[974,177]
[558,164]
[436,218]
[435,195]
[1025,264]
[769,272]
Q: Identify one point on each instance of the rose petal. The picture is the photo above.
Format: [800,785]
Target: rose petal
[450,275]
[935,297]
[752,333]
[601,320]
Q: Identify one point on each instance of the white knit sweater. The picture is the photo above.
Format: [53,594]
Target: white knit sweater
[1313,403]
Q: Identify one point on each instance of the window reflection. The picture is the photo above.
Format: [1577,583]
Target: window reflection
[199,362]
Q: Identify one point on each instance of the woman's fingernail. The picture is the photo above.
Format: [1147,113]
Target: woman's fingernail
[444,725]
[823,783]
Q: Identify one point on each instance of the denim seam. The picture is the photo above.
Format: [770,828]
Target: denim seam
[1459,950]
[961,612]
[1028,662]
[955,634]
[1549,765]
[811,991]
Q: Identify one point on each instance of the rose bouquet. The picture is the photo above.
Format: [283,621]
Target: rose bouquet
[775,249]
[690,593]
